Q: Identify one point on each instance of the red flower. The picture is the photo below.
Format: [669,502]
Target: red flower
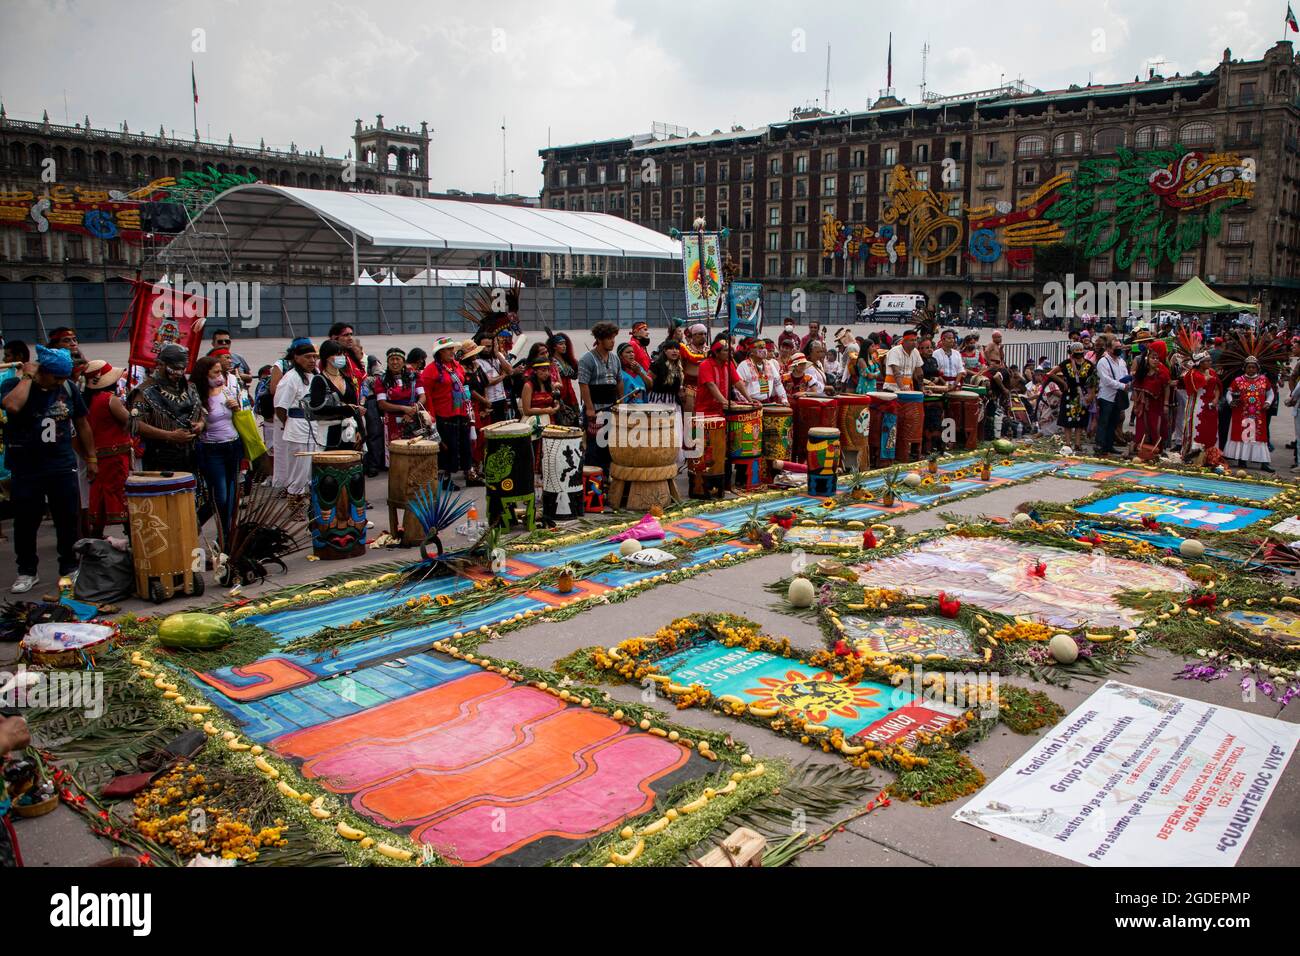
[1039,570]
[868,540]
[144,859]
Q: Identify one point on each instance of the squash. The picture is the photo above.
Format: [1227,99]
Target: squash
[191,630]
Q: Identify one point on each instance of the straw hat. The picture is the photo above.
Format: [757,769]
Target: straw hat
[468,349]
[99,374]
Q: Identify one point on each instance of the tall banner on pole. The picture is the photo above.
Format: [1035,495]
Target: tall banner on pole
[702,269]
[746,315]
[160,315]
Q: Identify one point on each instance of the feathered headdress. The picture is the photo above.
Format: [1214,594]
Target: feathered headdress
[483,307]
[1188,342]
[1268,349]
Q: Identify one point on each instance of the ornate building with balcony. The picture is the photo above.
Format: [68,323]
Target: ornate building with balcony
[72,197]
[959,198]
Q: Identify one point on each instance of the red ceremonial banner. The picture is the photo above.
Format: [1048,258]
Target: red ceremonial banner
[160,315]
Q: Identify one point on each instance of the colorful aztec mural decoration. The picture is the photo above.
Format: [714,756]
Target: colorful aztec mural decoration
[111,214]
[1153,205]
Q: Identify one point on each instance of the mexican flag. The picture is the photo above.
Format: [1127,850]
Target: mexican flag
[1290,20]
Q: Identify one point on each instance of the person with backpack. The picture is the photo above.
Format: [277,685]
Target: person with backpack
[47,430]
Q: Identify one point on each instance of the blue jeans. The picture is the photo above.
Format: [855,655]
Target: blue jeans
[219,465]
[1107,423]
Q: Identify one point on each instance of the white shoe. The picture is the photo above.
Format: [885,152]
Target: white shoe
[25,583]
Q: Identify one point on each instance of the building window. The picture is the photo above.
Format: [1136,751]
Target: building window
[600,175]
[746,240]
[1099,268]
[774,189]
[744,267]
[830,160]
[1236,230]
[773,265]
[828,185]
[1232,267]
[747,191]
[700,173]
[1245,130]
[990,179]
[916,267]
[699,195]
[1196,134]
[1186,267]
[800,239]
[858,185]
[1067,142]
[1142,269]
[622,174]
[774,167]
[1108,140]
[678,175]
[563,178]
[828,209]
[890,154]
[582,176]
[1028,175]
[747,217]
[723,171]
[723,222]
[859,159]
[922,152]
[723,194]
[1149,136]
[773,241]
[801,188]
[34,247]
[801,163]
[800,266]
[1030,146]
[801,213]
[774,215]
[747,170]
[1246,93]
[922,177]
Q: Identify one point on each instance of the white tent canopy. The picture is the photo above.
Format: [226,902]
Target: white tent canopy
[493,278]
[276,224]
[383,277]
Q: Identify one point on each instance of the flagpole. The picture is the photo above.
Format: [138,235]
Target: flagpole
[194,97]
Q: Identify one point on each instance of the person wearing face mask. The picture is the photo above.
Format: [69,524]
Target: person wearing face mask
[1112,394]
[167,414]
[219,449]
[335,403]
[291,397]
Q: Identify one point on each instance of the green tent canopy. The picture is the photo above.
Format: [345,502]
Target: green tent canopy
[1195,296]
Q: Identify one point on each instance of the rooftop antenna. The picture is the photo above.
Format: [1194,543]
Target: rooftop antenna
[826,100]
[503,155]
[925,59]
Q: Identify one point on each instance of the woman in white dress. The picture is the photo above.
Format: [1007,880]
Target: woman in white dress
[291,392]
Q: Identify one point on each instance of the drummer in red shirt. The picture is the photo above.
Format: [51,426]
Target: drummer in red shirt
[641,338]
[719,383]
[446,395]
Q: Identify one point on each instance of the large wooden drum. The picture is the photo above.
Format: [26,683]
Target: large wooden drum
[884,427]
[338,505]
[412,465]
[708,469]
[164,534]
[811,412]
[562,498]
[823,460]
[508,472]
[854,423]
[644,436]
[911,425]
[778,432]
[964,409]
[744,431]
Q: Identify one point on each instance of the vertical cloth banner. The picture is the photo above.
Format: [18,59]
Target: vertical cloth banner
[160,315]
[1134,777]
[746,315]
[702,270]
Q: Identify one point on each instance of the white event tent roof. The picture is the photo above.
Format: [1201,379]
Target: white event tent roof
[494,278]
[272,224]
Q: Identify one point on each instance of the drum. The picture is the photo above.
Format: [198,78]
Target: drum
[964,409]
[71,644]
[508,472]
[644,436]
[911,422]
[593,489]
[811,412]
[707,458]
[823,460]
[412,465]
[338,505]
[854,414]
[562,497]
[884,426]
[744,431]
[164,534]
[778,432]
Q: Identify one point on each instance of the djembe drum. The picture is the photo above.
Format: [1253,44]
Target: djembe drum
[708,469]
[412,465]
[338,505]
[811,412]
[508,473]
[778,437]
[854,417]
[164,534]
[562,498]
[963,408]
[823,460]
[884,427]
[911,425]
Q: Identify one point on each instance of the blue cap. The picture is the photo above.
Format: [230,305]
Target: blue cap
[54,361]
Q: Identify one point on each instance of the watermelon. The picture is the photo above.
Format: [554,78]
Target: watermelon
[190,630]
[1004,446]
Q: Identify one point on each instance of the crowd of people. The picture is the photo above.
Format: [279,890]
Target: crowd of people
[76,429]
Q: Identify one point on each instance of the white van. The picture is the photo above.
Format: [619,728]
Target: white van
[896,307]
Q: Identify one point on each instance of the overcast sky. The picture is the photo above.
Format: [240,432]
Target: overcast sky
[302,72]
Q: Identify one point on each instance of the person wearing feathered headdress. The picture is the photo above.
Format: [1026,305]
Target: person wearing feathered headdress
[1249,395]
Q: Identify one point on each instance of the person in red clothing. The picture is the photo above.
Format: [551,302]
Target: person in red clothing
[719,383]
[641,343]
[1202,426]
[1151,396]
[446,395]
[108,423]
